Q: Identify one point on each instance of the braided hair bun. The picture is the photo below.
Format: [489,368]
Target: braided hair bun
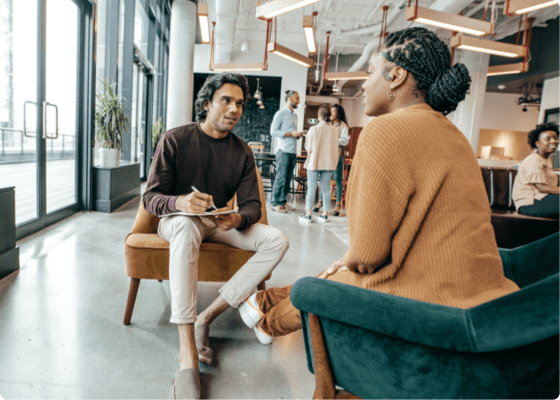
[427,58]
[449,89]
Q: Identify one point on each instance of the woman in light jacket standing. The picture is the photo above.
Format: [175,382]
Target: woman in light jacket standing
[338,120]
[321,144]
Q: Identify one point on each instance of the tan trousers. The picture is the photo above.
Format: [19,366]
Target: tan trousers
[281,317]
[186,234]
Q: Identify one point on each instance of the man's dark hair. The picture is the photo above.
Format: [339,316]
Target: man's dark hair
[535,133]
[215,82]
[340,114]
[289,93]
[420,52]
[324,112]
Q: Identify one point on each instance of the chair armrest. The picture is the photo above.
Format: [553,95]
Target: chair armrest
[520,318]
[415,321]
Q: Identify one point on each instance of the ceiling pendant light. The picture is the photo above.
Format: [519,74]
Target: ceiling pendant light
[288,54]
[246,46]
[261,107]
[309,30]
[353,75]
[238,66]
[507,69]
[275,8]
[202,12]
[513,7]
[257,94]
[464,42]
[448,21]
[520,67]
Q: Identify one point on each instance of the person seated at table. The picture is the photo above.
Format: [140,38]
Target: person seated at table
[321,144]
[338,120]
[535,190]
[418,213]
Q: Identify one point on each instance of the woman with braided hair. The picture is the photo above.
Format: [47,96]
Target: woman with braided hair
[418,214]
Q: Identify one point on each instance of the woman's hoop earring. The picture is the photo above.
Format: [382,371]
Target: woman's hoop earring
[390,95]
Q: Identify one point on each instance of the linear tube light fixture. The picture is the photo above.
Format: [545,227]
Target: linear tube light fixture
[355,75]
[452,22]
[202,11]
[488,46]
[237,67]
[310,33]
[278,7]
[291,55]
[507,69]
[513,7]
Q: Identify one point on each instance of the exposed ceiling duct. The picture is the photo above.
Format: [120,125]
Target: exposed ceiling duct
[226,12]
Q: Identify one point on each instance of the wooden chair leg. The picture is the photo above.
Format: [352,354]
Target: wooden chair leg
[324,382]
[132,292]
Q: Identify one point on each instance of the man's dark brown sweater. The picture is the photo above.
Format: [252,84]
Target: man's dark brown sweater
[186,157]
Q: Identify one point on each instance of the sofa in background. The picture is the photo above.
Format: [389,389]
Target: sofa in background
[511,228]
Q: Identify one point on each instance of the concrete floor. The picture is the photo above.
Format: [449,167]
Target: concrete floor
[61,330]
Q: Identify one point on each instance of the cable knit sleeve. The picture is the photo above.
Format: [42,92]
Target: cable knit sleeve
[375,209]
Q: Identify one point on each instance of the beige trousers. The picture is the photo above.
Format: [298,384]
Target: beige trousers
[186,234]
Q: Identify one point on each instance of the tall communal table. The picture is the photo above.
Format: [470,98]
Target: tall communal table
[266,163]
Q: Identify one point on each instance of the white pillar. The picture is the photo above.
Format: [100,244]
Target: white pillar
[181,60]
[468,115]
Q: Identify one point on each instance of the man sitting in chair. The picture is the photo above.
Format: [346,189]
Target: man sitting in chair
[196,167]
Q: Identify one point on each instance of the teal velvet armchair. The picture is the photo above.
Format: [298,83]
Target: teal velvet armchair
[375,345]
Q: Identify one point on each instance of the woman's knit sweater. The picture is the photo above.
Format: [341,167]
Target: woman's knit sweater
[418,212]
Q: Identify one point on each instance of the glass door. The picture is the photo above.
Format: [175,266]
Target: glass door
[61,103]
[18,105]
[40,42]
[141,79]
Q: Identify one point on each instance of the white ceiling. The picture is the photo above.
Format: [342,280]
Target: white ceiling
[355,23]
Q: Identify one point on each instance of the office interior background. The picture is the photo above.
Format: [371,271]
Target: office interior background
[56,55]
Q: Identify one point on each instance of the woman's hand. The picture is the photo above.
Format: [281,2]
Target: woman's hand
[333,269]
[543,188]
[361,268]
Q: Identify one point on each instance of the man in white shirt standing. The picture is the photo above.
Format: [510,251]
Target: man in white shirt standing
[284,127]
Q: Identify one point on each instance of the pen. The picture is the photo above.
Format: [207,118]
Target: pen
[196,190]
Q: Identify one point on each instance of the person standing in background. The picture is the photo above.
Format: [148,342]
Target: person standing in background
[322,155]
[338,120]
[284,127]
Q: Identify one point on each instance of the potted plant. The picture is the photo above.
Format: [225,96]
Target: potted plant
[157,132]
[111,122]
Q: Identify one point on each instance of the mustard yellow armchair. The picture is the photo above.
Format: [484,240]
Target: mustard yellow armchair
[146,255]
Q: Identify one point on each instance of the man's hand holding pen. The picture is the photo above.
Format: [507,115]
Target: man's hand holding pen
[197,203]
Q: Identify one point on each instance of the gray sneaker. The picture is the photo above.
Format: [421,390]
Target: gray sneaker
[323,218]
[305,218]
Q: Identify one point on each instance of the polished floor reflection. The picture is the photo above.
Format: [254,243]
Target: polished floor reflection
[61,331]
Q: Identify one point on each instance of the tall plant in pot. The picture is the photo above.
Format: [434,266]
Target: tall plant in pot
[157,132]
[111,122]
